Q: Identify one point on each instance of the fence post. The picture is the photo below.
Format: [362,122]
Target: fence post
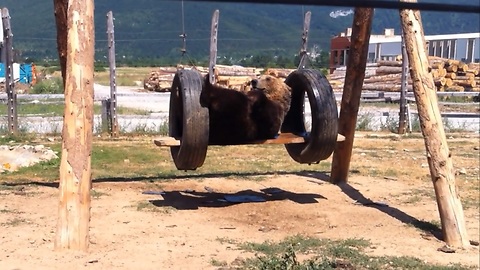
[106,117]
[112,116]
[9,80]
[403,92]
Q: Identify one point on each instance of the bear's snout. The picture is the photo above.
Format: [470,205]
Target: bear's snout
[254,83]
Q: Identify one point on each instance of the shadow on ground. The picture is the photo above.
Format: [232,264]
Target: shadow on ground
[190,199]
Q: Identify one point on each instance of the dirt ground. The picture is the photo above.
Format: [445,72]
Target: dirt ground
[188,227]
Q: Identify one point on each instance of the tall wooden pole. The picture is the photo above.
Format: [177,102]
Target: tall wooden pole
[352,91]
[9,79]
[438,155]
[113,120]
[75,167]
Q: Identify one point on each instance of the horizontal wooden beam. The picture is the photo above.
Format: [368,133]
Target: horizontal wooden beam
[283,138]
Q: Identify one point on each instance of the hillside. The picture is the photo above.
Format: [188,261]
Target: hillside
[150,29]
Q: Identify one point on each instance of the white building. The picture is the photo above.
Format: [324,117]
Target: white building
[464,47]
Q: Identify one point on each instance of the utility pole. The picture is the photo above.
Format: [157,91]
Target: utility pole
[7,52]
[112,105]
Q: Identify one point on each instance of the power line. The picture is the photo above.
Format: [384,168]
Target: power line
[365,4]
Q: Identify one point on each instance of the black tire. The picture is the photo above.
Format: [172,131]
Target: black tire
[320,141]
[188,120]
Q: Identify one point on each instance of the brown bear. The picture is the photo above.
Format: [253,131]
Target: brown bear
[239,117]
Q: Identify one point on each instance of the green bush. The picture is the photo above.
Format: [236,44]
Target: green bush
[48,86]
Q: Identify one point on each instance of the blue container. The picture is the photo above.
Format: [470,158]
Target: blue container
[2,70]
[25,73]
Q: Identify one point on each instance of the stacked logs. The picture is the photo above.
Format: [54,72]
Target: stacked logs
[454,75]
[448,75]
[236,77]
[160,80]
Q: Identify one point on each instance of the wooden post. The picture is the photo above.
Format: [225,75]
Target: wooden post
[9,79]
[75,166]
[403,92]
[113,120]
[213,46]
[60,10]
[2,39]
[352,91]
[438,155]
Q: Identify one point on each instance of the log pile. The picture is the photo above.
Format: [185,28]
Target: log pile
[236,77]
[160,80]
[448,75]
[454,75]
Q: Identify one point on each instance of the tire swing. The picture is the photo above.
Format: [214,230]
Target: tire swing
[320,141]
[188,120]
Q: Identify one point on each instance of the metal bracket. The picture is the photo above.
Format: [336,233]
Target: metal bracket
[303,49]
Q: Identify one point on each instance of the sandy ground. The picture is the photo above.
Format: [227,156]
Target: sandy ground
[188,227]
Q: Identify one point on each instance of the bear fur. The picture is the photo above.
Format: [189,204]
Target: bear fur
[239,117]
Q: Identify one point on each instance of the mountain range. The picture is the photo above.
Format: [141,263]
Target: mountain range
[151,28]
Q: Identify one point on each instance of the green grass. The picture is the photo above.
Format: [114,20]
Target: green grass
[148,206]
[48,86]
[20,137]
[125,76]
[326,254]
[57,109]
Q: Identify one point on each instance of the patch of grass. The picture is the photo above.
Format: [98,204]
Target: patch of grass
[10,211]
[433,226]
[137,158]
[148,206]
[417,195]
[20,137]
[6,187]
[14,222]
[44,170]
[225,240]
[97,194]
[56,108]
[48,86]
[364,122]
[125,76]
[390,124]
[415,122]
[218,263]
[470,201]
[327,254]
[413,199]
[451,127]
[298,242]
[145,129]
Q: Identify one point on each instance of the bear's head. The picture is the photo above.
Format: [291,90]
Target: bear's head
[275,89]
